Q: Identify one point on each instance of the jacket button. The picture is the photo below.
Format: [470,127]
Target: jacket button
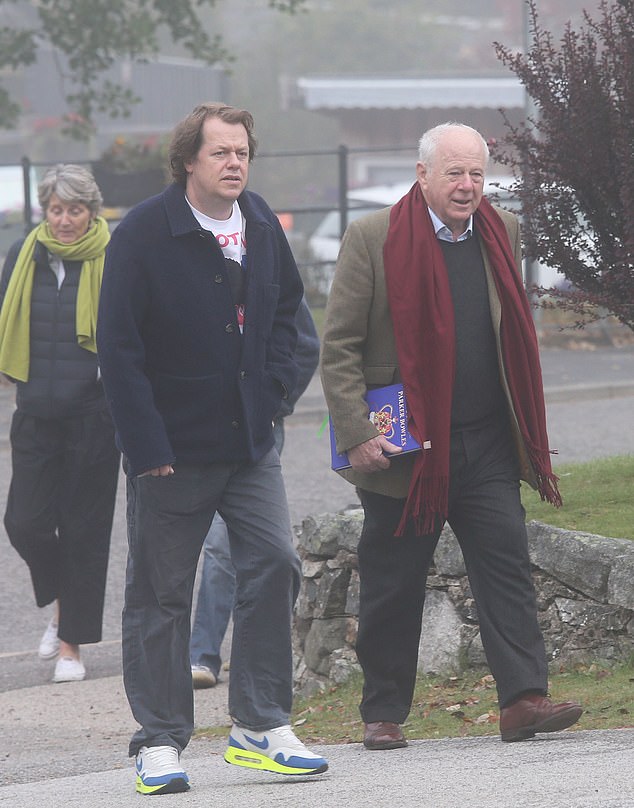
[243,374]
[235,424]
[218,278]
[229,328]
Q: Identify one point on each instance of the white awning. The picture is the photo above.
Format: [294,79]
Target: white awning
[438,93]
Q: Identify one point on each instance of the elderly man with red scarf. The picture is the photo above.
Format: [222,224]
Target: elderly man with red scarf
[429,293]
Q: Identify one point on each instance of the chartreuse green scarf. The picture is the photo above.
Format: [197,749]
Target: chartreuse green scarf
[15,316]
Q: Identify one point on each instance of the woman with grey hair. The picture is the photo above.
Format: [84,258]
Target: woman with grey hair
[65,464]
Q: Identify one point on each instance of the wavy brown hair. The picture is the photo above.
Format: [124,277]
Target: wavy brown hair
[187,136]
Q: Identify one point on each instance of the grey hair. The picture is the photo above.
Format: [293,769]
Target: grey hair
[429,141]
[71,183]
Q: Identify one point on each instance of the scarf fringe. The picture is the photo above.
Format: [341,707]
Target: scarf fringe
[426,505]
[548,489]
[546,479]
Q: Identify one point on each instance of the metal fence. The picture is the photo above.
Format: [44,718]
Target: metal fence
[340,157]
[302,204]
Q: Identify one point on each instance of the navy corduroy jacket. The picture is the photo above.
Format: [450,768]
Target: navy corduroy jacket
[182,383]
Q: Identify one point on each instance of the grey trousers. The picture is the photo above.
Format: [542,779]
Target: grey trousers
[168,519]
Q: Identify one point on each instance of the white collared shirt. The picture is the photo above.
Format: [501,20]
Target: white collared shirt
[57,266]
[444,233]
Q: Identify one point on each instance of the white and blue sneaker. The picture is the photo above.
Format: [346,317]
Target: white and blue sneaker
[274,750]
[158,771]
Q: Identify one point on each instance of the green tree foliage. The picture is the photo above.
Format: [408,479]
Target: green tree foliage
[90,36]
[574,158]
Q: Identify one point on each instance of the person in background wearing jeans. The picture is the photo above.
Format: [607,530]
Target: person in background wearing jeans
[196,341]
[218,579]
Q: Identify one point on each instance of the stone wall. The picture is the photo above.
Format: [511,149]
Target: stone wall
[585,589]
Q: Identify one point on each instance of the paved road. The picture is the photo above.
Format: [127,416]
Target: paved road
[571,770]
[51,731]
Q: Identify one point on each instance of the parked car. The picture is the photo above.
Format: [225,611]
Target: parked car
[325,241]
[12,206]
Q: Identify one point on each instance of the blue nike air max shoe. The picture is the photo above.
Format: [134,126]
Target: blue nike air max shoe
[158,771]
[274,750]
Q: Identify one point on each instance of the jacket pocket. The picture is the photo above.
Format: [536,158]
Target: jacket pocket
[189,403]
[265,406]
[380,375]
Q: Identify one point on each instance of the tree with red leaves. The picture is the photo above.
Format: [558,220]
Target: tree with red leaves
[573,160]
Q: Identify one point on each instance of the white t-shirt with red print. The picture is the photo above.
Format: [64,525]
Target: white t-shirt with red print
[230,235]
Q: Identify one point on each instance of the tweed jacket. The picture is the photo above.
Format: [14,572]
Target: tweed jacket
[359,350]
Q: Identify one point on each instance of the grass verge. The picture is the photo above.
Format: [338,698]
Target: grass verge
[462,706]
[597,498]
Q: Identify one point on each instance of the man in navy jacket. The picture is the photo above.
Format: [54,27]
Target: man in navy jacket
[196,338]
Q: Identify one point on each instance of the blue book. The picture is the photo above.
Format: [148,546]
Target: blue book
[388,412]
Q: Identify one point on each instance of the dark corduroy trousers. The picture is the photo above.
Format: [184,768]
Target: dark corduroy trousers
[487,517]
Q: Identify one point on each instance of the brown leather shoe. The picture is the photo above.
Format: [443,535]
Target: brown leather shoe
[532,713]
[383,735]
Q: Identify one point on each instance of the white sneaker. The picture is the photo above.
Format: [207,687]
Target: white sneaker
[274,750]
[158,771]
[202,677]
[49,644]
[69,669]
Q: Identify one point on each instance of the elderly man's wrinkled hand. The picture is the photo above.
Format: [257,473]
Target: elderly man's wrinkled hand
[373,455]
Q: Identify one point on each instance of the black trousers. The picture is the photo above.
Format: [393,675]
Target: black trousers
[59,513]
[486,514]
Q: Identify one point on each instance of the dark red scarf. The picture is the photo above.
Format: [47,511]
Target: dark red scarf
[422,313]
